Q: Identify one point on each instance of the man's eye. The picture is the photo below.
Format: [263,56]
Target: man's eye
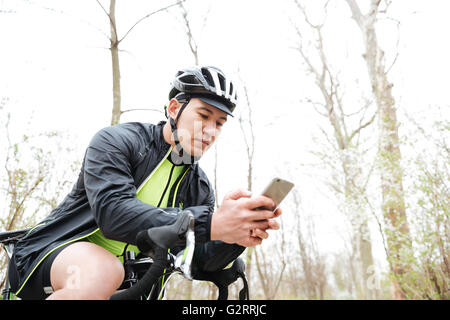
[203,116]
[218,124]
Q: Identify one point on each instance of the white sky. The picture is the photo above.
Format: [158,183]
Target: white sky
[54,65]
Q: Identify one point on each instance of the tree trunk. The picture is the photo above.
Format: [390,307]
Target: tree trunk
[249,139]
[249,255]
[360,227]
[366,258]
[393,203]
[116,111]
[361,258]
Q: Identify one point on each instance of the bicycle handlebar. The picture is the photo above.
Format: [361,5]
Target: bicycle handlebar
[155,242]
[149,278]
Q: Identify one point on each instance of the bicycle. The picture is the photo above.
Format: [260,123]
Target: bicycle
[146,277]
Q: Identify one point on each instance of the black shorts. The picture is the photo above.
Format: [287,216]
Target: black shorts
[38,286]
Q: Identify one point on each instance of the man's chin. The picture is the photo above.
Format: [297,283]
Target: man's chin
[198,150]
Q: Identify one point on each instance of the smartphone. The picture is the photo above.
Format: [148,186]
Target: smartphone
[276,190]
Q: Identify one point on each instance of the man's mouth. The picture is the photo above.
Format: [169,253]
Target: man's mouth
[205,143]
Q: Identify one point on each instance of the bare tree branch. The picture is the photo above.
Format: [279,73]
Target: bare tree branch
[112,23]
[356,13]
[191,41]
[141,109]
[397,52]
[363,126]
[147,16]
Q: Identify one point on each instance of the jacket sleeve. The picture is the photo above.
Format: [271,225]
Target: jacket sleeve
[111,192]
[214,255]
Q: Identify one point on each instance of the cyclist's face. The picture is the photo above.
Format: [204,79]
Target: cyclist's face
[199,126]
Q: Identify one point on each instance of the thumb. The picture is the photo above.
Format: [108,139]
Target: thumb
[236,194]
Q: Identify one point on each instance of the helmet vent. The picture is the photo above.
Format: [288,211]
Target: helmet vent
[208,77]
[222,82]
[189,78]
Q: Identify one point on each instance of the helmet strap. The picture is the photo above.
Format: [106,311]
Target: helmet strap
[173,124]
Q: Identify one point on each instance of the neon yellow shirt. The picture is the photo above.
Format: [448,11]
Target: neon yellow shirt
[154,191]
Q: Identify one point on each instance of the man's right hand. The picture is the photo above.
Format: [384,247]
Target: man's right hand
[235,219]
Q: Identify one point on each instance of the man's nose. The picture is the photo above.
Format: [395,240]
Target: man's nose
[209,130]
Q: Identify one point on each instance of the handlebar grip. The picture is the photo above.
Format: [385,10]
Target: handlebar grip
[165,236]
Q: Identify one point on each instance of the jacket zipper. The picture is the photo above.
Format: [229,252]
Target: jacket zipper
[167,186]
[174,191]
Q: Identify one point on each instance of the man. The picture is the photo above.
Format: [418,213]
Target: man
[136,176]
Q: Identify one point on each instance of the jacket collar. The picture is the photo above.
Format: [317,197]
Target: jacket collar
[159,137]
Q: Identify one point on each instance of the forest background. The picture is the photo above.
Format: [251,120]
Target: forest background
[348,99]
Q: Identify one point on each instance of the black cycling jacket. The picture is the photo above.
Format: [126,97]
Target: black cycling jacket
[117,161]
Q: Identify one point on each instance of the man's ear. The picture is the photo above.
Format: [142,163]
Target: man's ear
[173,108]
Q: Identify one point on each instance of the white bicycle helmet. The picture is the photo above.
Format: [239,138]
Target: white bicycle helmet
[208,84]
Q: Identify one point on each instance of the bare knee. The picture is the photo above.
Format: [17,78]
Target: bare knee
[86,271]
